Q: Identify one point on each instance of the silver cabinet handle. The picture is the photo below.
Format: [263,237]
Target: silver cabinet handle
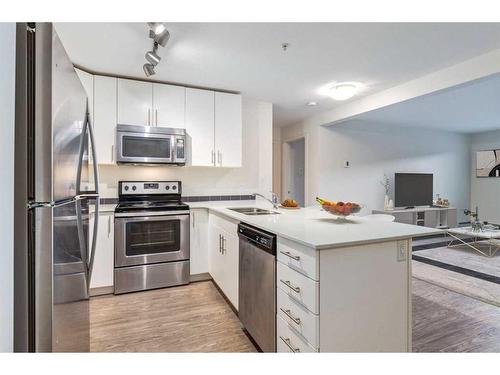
[224,241]
[289,314]
[296,289]
[213,157]
[219,157]
[112,152]
[149,116]
[289,344]
[220,243]
[109,226]
[288,254]
[156,117]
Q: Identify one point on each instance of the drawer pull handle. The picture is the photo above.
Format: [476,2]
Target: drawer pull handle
[289,314]
[296,289]
[287,343]
[288,254]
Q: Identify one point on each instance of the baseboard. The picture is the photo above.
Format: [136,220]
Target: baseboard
[94,292]
[225,298]
[200,277]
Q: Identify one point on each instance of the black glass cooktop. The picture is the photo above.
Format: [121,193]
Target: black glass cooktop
[151,206]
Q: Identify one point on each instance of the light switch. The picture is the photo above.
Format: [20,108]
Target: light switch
[402,250]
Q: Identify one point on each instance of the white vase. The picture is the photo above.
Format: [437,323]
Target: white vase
[386,203]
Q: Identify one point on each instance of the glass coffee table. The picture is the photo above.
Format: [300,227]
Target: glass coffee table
[486,241]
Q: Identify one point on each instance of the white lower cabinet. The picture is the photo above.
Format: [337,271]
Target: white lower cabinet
[223,256]
[102,273]
[288,341]
[198,241]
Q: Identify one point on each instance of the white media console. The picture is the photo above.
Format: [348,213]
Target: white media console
[432,217]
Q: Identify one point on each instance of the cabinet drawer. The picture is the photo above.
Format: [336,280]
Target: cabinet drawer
[287,341]
[298,317]
[301,258]
[227,224]
[299,287]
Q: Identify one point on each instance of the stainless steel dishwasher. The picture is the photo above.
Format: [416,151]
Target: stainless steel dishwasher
[257,285]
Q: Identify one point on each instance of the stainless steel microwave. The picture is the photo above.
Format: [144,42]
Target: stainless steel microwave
[150,145]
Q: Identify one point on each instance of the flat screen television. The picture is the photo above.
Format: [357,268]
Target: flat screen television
[413,189]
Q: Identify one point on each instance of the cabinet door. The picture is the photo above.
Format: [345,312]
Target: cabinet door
[228,128]
[102,273]
[169,105]
[230,264]
[199,241]
[135,102]
[214,254]
[105,118]
[200,127]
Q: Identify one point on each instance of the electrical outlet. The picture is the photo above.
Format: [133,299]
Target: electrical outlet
[402,250]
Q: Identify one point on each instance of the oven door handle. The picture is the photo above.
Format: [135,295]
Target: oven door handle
[150,214]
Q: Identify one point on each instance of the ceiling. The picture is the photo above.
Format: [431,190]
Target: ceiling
[468,108]
[247,57]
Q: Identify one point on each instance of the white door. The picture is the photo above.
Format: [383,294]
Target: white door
[198,241]
[200,127]
[228,127]
[135,102]
[102,274]
[105,118]
[296,171]
[230,264]
[169,105]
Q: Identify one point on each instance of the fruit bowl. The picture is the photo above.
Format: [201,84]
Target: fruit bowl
[339,208]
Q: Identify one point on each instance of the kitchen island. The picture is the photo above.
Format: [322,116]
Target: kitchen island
[342,285]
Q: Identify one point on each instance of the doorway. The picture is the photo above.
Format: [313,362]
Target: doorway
[294,155]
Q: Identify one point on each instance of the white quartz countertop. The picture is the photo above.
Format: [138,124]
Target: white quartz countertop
[316,228]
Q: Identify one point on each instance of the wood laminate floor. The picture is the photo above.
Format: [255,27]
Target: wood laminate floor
[190,318]
[195,318]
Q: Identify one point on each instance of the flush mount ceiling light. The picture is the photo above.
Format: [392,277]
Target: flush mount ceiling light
[159,33]
[312,104]
[149,69]
[340,90]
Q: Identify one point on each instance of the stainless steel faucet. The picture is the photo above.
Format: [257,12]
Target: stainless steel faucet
[274,199]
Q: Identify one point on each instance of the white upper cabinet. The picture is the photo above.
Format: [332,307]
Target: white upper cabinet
[169,105]
[228,127]
[105,118]
[200,127]
[135,102]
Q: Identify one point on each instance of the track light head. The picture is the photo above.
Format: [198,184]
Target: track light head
[149,69]
[159,33]
[152,57]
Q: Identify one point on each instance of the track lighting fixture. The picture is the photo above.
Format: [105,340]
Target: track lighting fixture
[149,69]
[160,35]
[152,56]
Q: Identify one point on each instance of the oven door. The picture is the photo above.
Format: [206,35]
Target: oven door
[147,148]
[151,239]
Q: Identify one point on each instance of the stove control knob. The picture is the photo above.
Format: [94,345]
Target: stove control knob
[126,188]
[167,187]
[174,187]
[134,188]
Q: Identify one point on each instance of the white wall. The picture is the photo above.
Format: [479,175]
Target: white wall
[295,183]
[485,192]
[255,175]
[374,149]
[7,105]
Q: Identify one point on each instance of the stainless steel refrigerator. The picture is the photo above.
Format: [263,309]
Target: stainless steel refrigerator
[53,254]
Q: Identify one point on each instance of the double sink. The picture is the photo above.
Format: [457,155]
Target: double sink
[253,211]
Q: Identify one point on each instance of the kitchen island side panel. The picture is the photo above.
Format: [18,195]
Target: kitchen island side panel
[365,298]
